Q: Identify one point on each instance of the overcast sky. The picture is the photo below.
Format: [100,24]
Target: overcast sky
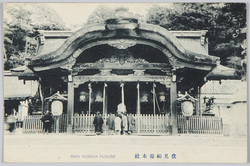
[72,13]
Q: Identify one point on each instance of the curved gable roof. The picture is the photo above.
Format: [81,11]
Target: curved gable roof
[99,34]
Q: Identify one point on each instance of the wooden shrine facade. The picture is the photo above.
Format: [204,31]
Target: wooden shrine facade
[124,57]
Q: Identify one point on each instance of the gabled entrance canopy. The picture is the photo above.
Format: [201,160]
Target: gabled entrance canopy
[124,38]
[123,33]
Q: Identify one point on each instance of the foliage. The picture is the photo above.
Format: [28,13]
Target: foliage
[102,13]
[22,20]
[224,21]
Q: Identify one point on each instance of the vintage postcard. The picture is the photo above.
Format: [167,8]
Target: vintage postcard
[125,82]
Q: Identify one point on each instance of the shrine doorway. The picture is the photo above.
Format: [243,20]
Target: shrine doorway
[153,98]
[113,97]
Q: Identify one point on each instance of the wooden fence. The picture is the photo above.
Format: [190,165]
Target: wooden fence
[200,125]
[83,123]
[33,124]
[144,124]
[150,124]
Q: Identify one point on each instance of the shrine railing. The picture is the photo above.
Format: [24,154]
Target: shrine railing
[33,124]
[200,125]
[143,124]
[148,124]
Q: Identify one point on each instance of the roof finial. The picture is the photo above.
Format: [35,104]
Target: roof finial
[122,12]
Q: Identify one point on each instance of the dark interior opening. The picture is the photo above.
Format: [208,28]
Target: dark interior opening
[114,97]
[130,97]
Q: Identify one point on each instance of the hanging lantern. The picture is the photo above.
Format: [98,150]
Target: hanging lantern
[162,96]
[144,97]
[83,96]
[187,108]
[121,108]
[98,97]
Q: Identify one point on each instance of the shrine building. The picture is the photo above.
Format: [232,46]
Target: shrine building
[122,60]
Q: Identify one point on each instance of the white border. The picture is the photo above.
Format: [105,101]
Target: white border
[107,1]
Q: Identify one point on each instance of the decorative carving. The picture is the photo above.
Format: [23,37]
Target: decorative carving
[139,72]
[170,56]
[167,84]
[186,97]
[31,46]
[122,78]
[131,59]
[71,61]
[105,73]
[77,85]
[122,44]
[123,20]
[64,78]
[112,59]
[122,12]
[41,37]
[166,71]
[56,96]
[128,59]
[203,37]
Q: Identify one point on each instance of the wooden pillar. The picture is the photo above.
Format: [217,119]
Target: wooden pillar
[122,85]
[70,105]
[138,108]
[104,99]
[57,124]
[197,103]
[90,97]
[41,95]
[138,99]
[154,100]
[154,97]
[90,101]
[219,110]
[173,98]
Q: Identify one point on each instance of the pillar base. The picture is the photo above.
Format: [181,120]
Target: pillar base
[174,131]
[69,129]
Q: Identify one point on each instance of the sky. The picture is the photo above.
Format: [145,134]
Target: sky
[71,13]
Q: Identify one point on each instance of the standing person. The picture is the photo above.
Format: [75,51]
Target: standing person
[168,123]
[124,124]
[47,120]
[11,120]
[98,122]
[111,124]
[118,122]
[131,123]
[121,110]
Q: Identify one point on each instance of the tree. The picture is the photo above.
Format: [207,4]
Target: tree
[230,22]
[224,22]
[22,20]
[102,13]
[183,16]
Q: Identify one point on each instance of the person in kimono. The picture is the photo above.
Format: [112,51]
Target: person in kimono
[11,119]
[47,120]
[121,111]
[124,124]
[111,124]
[98,122]
[118,124]
[131,124]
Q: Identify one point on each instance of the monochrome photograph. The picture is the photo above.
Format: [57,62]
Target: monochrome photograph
[125,82]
